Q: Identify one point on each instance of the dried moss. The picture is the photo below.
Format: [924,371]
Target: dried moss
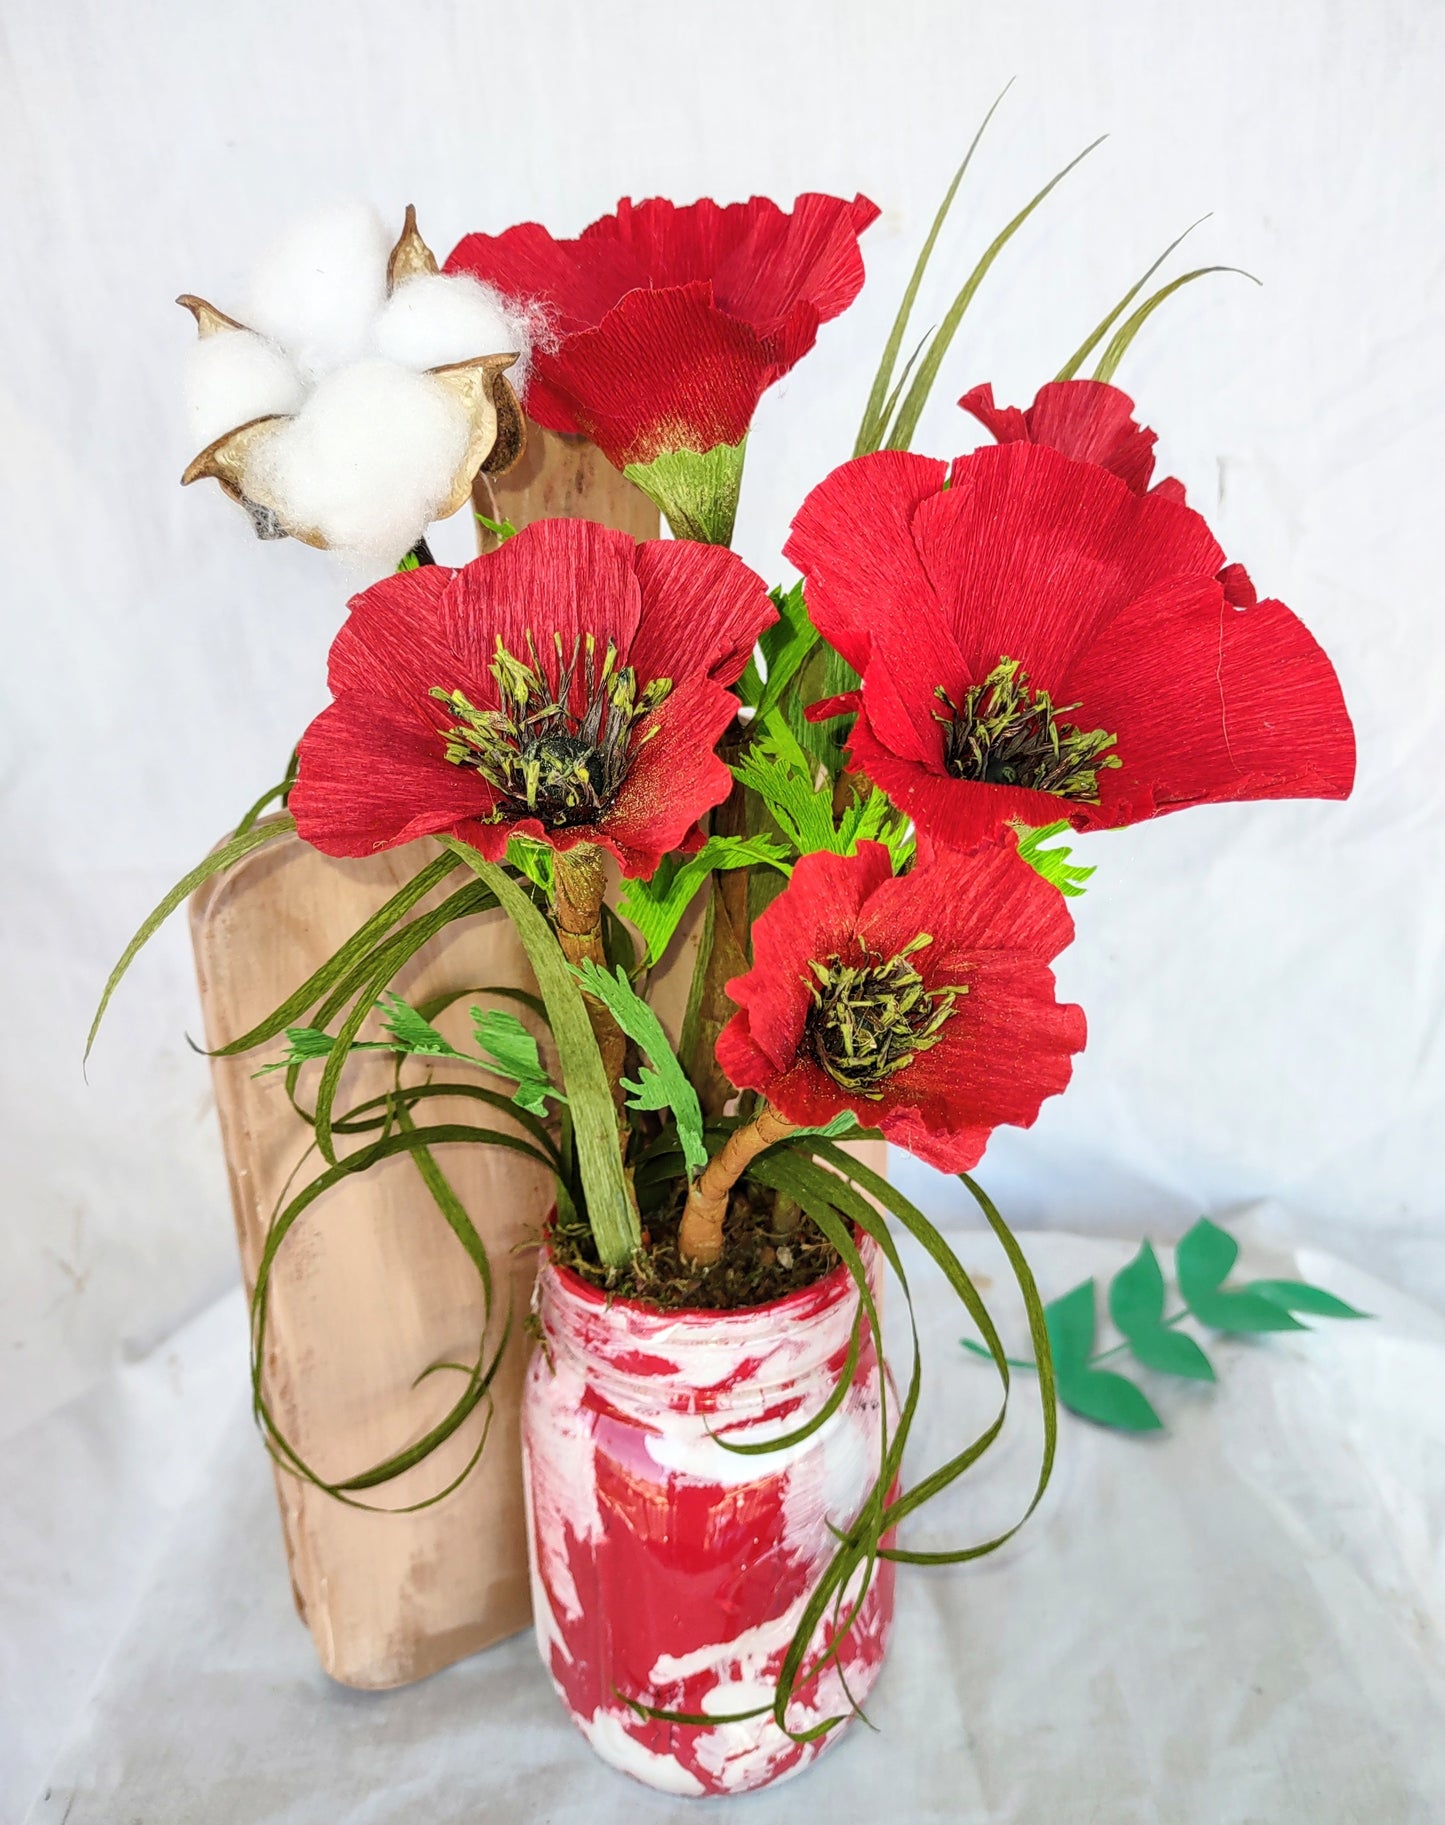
[769,1252]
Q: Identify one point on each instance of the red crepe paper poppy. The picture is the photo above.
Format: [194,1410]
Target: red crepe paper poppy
[1094,423]
[980,1039]
[1086,419]
[666,324]
[570,687]
[1037,641]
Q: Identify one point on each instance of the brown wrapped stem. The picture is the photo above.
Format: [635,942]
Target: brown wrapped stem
[727,956]
[579,882]
[700,1239]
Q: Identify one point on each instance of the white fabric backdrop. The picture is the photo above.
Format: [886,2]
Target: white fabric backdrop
[1264,984]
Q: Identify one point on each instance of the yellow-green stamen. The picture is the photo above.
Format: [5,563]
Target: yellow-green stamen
[544,760]
[1006,734]
[870,1020]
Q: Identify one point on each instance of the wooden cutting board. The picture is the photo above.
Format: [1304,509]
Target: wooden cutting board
[372,1287]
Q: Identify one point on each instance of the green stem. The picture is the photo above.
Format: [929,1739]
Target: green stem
[1119,1348]
[1023,1362]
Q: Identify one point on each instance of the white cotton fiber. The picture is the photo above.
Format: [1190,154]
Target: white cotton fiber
[233,377]
[318,289]
[366,462]
[436,318]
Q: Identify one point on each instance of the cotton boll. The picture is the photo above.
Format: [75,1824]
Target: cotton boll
[366,463]
[233,377]
[319,287]
[436,318]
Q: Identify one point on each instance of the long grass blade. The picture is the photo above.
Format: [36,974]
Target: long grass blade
[417,1141]
[909,413]
[1101,329]
[1114,353]
[876,413]
[611,1208]
[343,961]
[216,863]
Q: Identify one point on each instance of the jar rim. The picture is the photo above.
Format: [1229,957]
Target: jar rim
[838,1279]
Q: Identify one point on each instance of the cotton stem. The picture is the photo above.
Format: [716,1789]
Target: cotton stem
[700,1239]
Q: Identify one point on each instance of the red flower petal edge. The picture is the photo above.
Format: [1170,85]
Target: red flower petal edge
[374,767]
[1086,419]
[1115,603]
[994,926]
[665,323]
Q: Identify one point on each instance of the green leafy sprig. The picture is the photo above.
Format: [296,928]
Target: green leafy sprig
[656,906]
[504,1046]
[1203,1261]
[661,1083]
[782,648]
[787,780]
[1053,864]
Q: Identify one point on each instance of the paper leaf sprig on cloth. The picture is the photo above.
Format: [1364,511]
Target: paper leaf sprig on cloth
[504,1046]
[1202,1262]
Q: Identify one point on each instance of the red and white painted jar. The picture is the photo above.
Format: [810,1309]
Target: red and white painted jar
[672,1571]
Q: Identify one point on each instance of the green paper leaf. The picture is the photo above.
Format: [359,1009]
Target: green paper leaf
[411,1033]
[782,775]
[1053,864]
[303,1044]
[1300,1296]
[501,530]
[784,646]
[656,906]
[1070,1320]
[1136,1304]
[306,1042]
[611,1207]
[1136,1294]
[514,1052]
[696,490]
[799,795]
[665,1084]
[1097,1394]
[874,820]
[1108,1399]
[1203,1261]
[532,859]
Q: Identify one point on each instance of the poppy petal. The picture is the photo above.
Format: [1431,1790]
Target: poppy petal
[852,539]
[667,370]
[702,606]
[1030,552]
[555,578]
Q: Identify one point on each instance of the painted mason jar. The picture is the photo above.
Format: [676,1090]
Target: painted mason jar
[673,1572]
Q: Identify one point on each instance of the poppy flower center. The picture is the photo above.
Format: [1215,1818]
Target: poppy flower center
[870,1020]
[1005,733]
[546,757]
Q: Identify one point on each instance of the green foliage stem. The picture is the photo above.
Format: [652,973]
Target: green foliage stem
[611,1207]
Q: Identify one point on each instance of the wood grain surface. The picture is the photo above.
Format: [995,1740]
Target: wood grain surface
[372,1287]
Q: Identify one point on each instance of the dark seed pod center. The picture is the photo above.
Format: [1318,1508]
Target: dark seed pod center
[1004,733]
[870,1020]
[546,757]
